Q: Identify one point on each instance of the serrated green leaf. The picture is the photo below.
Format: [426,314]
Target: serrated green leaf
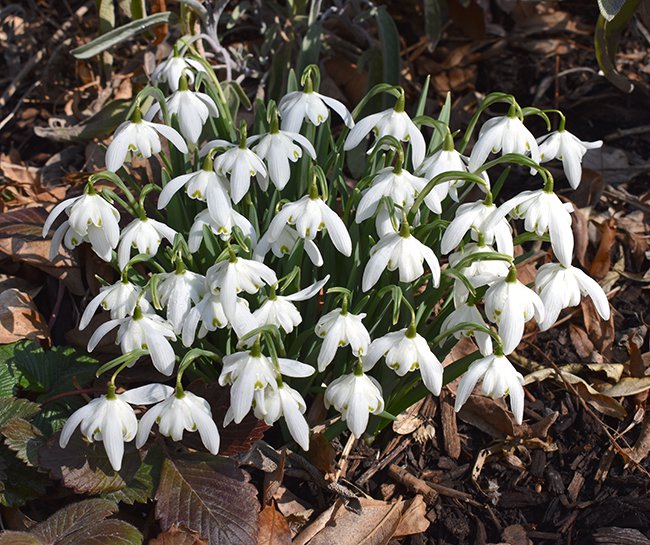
[23,438]
[72,518]
[8,381]
[11,407]
[121,34]
[21,483]
[214,499]
[142,487]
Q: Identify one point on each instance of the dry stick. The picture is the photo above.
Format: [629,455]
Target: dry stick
[31,63]
[588,409]
[370,472]
[343,463]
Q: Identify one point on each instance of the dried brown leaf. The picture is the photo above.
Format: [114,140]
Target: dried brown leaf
[178,536]
[273,527]
[19,318]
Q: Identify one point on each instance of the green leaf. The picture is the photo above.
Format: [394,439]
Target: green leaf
[212,498]
[143,485]
[72,518]
[8,381]
[20,483]
[11,407]
[19,538]
[121,34]
[389,38]
[433,19]
[24,439]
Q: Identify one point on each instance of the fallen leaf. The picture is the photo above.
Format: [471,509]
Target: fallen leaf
[602,261]
[19,318]
[414,518]
[273,527]
[581,342]
[627,386]
[488,416]
[178,535]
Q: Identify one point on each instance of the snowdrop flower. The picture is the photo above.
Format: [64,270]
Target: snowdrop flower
[144,234]
[542,211]
[468,313]
[171,69]
[110,419]
[204,185]
[177,291]
[91,218]
[271,404]
[140,137]
[279,310]
[284,244]
[251,371]
[240,163]
[400,251]
[500,378]
[142,331]
[476,218]
[510,304]
[222,229]
[405,351]
[234,275]
[355,396]
[210,314]
[296,106]
[340,328]
[120,298]
[181,411]
[480,272]
[560,287]
[569,149]
[277,148]
[393,122]
[192,109]
[310,215]
[398,185]
[505,134]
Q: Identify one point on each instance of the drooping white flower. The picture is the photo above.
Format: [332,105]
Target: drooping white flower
[392,122]
[356,397]
[139,137]
[569,149]
[271,404]
[505,134]
[400,251]
[192,109]
[240,163]
[234,275]
[480,272]
[340,328]
[91,218]
[277,148]
[110,419]
[142,331]
[500,378]
[510,304]
[251,371]
[542,211]
[284,244]
[400,186]
[181,411]
[120,298]
[280,311]
[222,229]
[178,291]
[173,67]
[476,218]
[560,287]
[468,313]
[145,235]
[297,106]
[405,351]
[310,215]
[210,314]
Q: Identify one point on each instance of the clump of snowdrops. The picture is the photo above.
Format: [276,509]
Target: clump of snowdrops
[255,260]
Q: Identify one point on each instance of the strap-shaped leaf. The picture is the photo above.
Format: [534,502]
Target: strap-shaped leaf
[121,34]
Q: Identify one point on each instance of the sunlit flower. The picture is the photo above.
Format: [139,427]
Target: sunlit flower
[91,218]
[145,235]
[479,272]
[309,215]
[510,304]
[500,378]
[222,229]
[400,251]
[241,164]
[466,313]
[356,397]
[271,404]
[446,161]
[560,287]
[542,211]
[178,291]
[284,244]
[173,67]
[181,411]
[110,419]
[296,106]
[142,331]
[340,328]
[139,137]
[505,134]
[569,149]
[120,298]
[405,351]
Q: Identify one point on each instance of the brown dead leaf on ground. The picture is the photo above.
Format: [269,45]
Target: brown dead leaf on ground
[273,527]
[19,318]
[602,261]
[178,535]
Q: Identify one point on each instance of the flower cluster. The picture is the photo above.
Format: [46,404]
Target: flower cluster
[259,261]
